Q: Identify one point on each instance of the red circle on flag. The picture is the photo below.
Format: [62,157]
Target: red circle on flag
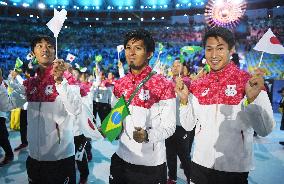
[274,40]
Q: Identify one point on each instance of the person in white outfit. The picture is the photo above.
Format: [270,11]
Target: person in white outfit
[225,106]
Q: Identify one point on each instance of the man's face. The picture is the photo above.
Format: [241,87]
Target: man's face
[44,53]
[136,55]
[110,76]
[76,74]
[177,68]
[217,53]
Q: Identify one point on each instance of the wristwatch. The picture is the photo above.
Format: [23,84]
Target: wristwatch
[146,137]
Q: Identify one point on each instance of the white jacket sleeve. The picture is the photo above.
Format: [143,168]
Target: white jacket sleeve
[70,96]
[6,103]
[187,113]
[166,120]
[121,72]
[259,114]
[18,95]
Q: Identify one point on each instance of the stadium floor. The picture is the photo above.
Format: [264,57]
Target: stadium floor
[268,158]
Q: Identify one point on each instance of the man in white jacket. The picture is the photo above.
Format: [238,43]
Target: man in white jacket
[225,106]
[4,140]
[141,155]
[50,130]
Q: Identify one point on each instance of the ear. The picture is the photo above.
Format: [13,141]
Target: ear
[149,55]
[232,51]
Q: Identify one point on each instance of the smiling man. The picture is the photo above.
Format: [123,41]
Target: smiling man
[50,130]
[141,155]
[226,106]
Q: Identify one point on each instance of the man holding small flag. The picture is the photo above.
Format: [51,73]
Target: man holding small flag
[144,117]
[225,106]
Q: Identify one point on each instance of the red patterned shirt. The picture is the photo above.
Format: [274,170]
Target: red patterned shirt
[222,87]
[155,89]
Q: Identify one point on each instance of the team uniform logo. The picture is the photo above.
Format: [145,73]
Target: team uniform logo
[231,90]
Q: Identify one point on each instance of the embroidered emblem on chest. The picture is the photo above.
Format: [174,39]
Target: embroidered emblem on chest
[231,90]
[48,89]
[144,94]
[33,91]
[205,92]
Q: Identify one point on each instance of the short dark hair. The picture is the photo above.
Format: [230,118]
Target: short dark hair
[222,32]
[38,39]
[143,35]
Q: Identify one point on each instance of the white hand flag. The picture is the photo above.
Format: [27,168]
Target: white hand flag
[56,23]
[70,57]
[119,48]
[269,44]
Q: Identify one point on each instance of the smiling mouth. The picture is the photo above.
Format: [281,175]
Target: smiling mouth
[215,61]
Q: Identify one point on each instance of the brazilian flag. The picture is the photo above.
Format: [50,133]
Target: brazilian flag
[112,124]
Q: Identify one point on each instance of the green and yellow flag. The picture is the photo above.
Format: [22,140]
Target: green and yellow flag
[98,58]
[112,124]
[190,49]
[19,63]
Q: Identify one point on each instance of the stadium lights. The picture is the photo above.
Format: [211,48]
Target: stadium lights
[86,7]
[65,27]
[177,5]
[37,17]
[162,18]
[3,3]
[153,18]
[97,7]
[131,7]
[165,6]
[51,6]
[97,19]
[31,16]
[90,26]
[119,7]
[15,4]
[58,6]
[129,19]
[142,7]
[119,18]
[62,7]
[142,19]
[74,7]
[277,6]
[26,5]
[189,4]
[18,15]
[154,6]
[108,7]
[41,6]
[86,18]
[126,7]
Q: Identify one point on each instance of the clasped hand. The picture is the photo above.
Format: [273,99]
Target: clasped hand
[140,135]
[58,70]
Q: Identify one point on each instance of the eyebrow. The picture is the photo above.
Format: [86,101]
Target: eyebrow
[221,44]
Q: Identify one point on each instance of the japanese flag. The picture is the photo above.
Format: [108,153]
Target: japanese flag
[269,44]
[70,57]
[56,23]
[119,48]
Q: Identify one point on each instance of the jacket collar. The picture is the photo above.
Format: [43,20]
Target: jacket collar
[141,75]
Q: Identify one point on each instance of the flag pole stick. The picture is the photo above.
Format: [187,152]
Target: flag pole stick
[260,59]
[56,47]
[157,61]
